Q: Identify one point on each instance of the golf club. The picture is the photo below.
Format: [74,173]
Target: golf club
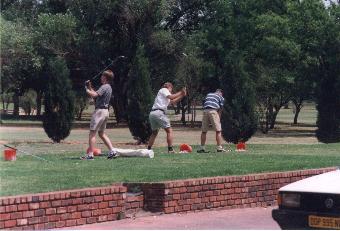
[26,153]
[111,63]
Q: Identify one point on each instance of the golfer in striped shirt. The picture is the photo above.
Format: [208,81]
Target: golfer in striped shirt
[212,107]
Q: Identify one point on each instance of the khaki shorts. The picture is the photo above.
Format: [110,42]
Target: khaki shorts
[158,120]
[99,119]
[211,116]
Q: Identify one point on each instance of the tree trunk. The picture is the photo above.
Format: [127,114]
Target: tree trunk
[38,100]
[16,104]
[298,106]
[183,115]
[273,118]
[3,104]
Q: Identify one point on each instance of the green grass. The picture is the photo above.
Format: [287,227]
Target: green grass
[66,171]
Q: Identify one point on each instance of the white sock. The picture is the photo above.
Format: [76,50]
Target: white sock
[202,147]
[90,154]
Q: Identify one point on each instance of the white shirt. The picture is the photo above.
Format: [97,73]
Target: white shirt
[161,101]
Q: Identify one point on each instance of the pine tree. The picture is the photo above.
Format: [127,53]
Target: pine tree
[59,101]
[140,97]
[239,121]
[328,107]
[328,97]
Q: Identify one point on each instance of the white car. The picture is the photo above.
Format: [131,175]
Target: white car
[311,203]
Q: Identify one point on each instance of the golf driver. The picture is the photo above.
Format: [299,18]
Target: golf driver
[25,153]
[111,63]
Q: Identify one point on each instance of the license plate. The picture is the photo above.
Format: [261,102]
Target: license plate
[324,222]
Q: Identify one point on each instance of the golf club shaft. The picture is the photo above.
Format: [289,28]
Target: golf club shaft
[115,60]
[26,153]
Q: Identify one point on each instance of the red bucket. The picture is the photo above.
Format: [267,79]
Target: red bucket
[10,154]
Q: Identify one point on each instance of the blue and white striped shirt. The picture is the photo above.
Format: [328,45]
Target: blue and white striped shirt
[213,101]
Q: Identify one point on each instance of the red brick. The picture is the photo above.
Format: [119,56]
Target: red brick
[108,197]
[21,222]
[43,219]
[83,207]
[33,220]
[103,205]
[26,214]
[86,214]
[111,204]
[34,206]
[39,226]
[88,200]
[50,225]
[39,212]
[77,201]
[71,222]
[53,218]
[93,206]
[97,212]
[45,204]
[76,215]
[112,217]
[110,210]
[62,210]
[60,224]
[10,223]
[16,215]
[56,203]
[2,209]
[22,207]
[5,216]
[50,211]
[81,221]
[12,201]
[65,216]
[11,208]
[71,208]
[91,220]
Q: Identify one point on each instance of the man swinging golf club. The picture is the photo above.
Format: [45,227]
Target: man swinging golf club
[158,118]
[101,114]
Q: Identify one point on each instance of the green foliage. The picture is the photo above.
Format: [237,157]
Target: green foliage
[328,96]
[55,33]
[27,102]
[139,97]
[59,101]
[239,121]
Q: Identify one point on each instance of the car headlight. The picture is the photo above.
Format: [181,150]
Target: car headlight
[290,200]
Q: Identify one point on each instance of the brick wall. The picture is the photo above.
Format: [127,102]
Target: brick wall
[85,206]
[220,192]
[61,209]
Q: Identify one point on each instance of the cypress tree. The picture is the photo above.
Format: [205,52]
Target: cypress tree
[59,101]
[239,121]
[140,97]
[328,96]
[328,107]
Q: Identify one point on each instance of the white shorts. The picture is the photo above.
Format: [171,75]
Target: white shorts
[158,120]
[99,119]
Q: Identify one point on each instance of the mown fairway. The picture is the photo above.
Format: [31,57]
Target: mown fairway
[66,171]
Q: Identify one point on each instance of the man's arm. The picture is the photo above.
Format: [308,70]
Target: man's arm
[90,91]
[179,95]
[174,96]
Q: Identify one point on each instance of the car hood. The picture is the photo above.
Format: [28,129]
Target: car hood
[324,183]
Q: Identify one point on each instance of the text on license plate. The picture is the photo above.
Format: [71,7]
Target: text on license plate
[324,222]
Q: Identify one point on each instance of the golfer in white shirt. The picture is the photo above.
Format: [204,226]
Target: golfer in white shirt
[158,118]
